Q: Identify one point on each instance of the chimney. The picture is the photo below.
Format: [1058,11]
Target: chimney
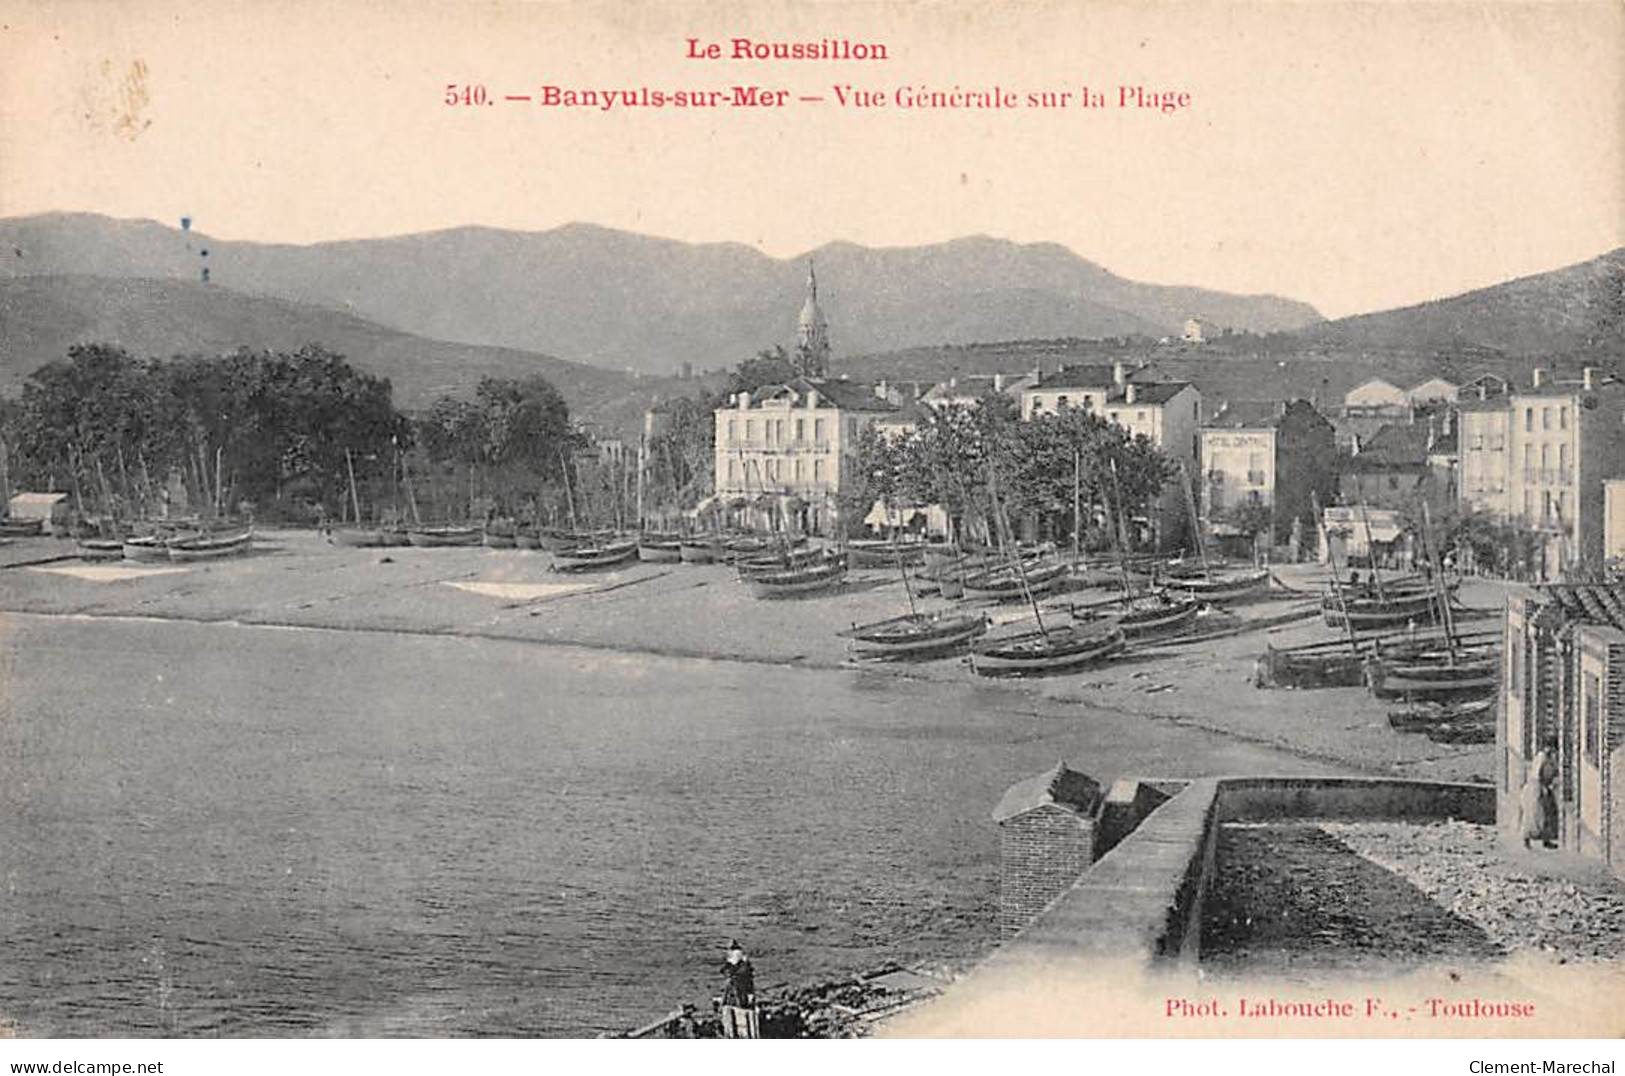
[1128,393]
[1119,374]
[1539,377]
[881,389]
[744,400]
[1483,391]
[998,382]
[812,397]
[1588,378]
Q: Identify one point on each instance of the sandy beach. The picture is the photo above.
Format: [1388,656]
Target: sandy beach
[296,578]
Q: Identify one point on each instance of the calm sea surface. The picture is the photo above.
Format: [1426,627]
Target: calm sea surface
[251,831]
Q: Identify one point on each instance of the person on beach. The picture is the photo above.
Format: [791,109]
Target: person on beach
[738,995]
[1538,802]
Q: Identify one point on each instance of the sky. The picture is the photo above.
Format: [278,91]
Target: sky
[1354,156]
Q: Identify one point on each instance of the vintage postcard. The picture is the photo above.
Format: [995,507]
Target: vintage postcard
[808,519]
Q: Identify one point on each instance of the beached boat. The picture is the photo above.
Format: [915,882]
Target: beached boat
[526,538]
[584,558]
[699,550]
[211,546]
[1394,607]
[1005,583]
[1418,716]
[500,540]
[781,561]
[660,549]
[21,528]
[1047,650]
[916,635]
[753,546]
[435,537]
[1416,681]
[146,548]
[1147,616]
[882,553]
[1222,585]
[101,548]
[817,575]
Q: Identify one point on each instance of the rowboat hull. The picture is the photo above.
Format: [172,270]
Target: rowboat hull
[439,537]
[699,552]
[794,582]
[1146,618]
[525,540]
[592,558]
[1005,585]
[501,541]
[1431,683]
[1058,650]
[101,549]
[1223,587]
[1366,612]
[660,552]
[919,636]
[145,550]
[211,548]
[21,528]
[865,554]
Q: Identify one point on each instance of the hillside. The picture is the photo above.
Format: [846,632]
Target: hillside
[41,316]
[621,300]
[1579,307]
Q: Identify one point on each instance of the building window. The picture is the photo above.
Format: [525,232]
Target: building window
[1562,418]
[733,431]
[1528,504]
[1562,463]
[1139,416]
[733,471]
[801,429]
[818,430]
[1546,503]
[1060,402]
[1545,418]
[1593,719]
[798,470]
[818,472]
[1528,463]
[1115,415]
[1528,419]
[750,429]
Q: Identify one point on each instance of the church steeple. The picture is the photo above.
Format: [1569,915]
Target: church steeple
[812,332]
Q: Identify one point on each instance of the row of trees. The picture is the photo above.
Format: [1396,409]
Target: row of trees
[961,457]
[279,433]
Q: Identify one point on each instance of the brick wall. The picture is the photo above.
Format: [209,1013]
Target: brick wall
[1041,853]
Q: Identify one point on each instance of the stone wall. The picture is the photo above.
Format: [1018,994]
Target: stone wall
[1041,853]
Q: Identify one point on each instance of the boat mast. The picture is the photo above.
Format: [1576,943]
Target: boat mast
[1337,582]
[1011,554]
[1196,520]
[355,498]
[1077,504]
[569,498]
[1371,547]
[1442,590]
[1121,538]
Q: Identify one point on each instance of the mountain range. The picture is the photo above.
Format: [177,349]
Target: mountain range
[600,312]
[626,301]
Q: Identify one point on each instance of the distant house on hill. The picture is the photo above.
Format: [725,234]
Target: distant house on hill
[1378,395]
[1195,331]
[1433,390]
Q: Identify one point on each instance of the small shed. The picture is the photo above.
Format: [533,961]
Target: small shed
[1046,840]
[51,509]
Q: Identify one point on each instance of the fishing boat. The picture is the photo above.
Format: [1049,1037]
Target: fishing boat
[1431,680]
[101,548]
[211,546]
[1157,615]
[584,558]
[753,546]
[1418,716]
[781,561]
[1394,606]
[501,535]
[817,575]
[660,548]
[433,537]
[915,635]
[699,550]
[146,548]
[1221,586]
[1006,583]
[21,528]
[526,538]
[882,553]
[1047,650]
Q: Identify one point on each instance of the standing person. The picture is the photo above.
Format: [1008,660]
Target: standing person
[739,996]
